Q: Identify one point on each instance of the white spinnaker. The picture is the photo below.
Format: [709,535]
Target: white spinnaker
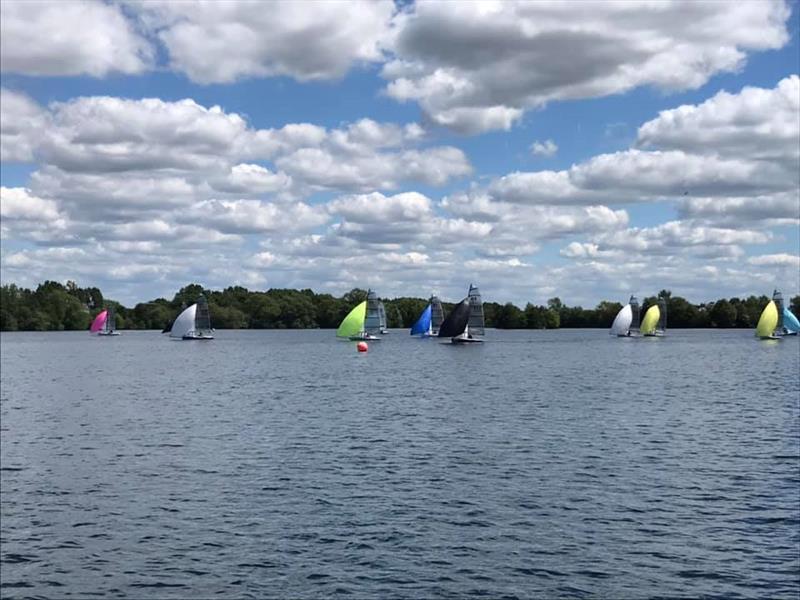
[184,324]
[622,322]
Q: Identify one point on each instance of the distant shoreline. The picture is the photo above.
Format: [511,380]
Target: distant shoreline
[53,306]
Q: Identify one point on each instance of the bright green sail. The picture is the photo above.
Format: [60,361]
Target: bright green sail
[767,321]
[651,317]
[353,323]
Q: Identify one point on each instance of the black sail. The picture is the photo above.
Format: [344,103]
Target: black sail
[456,321]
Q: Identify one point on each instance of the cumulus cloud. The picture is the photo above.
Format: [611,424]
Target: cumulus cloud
[21,120]
[79,37]
[18,203]
[377,208]
[546,148]
[252,216]
[477,66]
[782,208]
[755,123]
[221,42]
[789,260]
[210,149]
[666,240]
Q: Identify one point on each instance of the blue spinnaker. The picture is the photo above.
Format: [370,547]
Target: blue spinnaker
[423,324]
[790,321]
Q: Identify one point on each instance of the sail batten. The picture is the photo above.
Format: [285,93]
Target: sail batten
[372,318]
[476,320]
[382,317]
[437,314]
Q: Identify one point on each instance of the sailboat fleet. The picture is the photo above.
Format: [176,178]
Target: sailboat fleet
[464,325]
[776,320]
[654,324]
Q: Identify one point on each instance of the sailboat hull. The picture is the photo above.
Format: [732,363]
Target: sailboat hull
[465,340]
[202,336]
[108,333]
[364,337]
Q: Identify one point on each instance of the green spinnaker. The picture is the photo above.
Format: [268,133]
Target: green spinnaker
[353,323]
[651,317]
[767,321]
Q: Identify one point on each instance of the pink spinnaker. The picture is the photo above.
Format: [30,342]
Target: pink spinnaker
[99,321]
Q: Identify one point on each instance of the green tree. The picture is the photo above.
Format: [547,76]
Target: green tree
[722,314]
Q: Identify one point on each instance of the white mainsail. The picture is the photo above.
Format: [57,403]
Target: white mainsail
[622,322]
[184,324]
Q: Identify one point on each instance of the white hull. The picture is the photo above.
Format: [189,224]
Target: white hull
[198,337]
[364,337]
[465,340]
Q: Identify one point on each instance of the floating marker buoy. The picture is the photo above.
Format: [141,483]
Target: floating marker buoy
[362,346]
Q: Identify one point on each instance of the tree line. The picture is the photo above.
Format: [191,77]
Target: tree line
[53,306]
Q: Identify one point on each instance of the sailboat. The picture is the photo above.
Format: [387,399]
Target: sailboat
[465,321]
[194,323]
[767,322]
[105,323]
[787,322]
[654,323]
[791,326]
[382,318]
[430,319]
[422,327]
[626,323]
[363,321]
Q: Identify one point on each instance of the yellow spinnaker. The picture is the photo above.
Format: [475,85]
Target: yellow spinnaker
[767,321]
[651,317]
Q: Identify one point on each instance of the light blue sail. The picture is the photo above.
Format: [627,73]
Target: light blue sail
[423,324]
[790,322]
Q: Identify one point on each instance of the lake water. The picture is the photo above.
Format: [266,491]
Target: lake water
[285,464]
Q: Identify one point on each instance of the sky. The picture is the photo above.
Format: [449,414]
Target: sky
[587,151]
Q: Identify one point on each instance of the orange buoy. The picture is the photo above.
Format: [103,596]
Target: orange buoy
[362,346]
